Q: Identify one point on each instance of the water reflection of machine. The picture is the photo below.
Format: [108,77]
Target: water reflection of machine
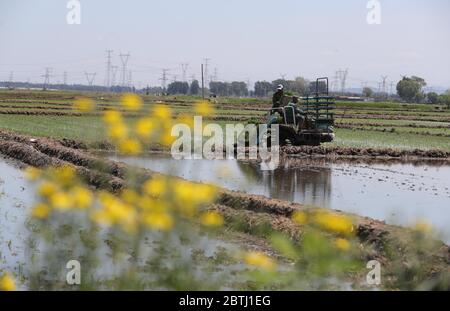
[305,182]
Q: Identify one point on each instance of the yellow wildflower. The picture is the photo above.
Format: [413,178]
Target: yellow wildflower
[342,244]
[131,101]
[130,146]
[183,191]
[336,223]
[112,116]
[162,112]
[7,283]
[211,219]
[40,210]
[204,108]
[144,127]
[167,139]
[61,200]
[47,188]
[82,197]
[159,220]
[155,186]
[260,260]
[84,105]
[118,131]
[65,174]
[300,217]
[203,194]
[129,196]
[422,227]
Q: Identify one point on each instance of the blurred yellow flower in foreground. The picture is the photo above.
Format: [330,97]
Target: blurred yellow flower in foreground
[162,112]
[130,196]
[144,127]
[112,116]
[114,211]
[130,146]
[158,220]
[47,188]
[82,197]
[261,260]
[211,219]
[118,131]
[300,217]
[155,186]
[336,223]
[422,226]
[84,105]
[342,244]
[40,210]
[204,108]
[65,174]
[61,200]
[7,283]
[131,101]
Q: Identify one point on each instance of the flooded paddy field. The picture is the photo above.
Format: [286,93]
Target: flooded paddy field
[399,193]
[214,255]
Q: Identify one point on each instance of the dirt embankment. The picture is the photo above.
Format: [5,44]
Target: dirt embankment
[353,152]
[373,124]
[390,129]
[391,245]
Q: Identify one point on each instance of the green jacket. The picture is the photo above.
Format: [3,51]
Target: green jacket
[276,99]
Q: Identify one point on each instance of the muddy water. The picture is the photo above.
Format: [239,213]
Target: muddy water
[15,198]
[398,193]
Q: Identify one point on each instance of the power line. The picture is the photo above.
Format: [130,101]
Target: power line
[90,77]
[46,77]
[342,76]
[216,74]
[184,68]
[130,78]
[124,59]
[205,69]
[113,74]
[164,78]
[65,77]
[383,83]
[108,68]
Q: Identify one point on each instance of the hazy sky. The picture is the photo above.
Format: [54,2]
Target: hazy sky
[245,39]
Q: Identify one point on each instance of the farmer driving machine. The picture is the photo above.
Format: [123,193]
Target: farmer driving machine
[305,120]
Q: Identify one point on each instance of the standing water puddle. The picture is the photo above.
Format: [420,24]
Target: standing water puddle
[398,193]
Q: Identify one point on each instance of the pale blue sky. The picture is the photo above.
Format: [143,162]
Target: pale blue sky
[255,39]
